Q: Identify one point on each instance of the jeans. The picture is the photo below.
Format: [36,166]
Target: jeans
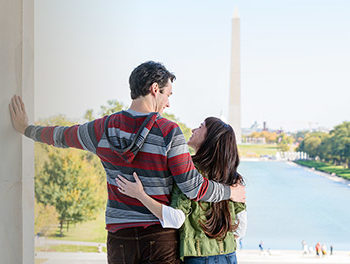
[154,244]
[218,259]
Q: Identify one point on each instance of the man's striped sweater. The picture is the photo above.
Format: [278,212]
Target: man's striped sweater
[147,144]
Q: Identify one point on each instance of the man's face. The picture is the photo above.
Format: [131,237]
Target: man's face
[162,98]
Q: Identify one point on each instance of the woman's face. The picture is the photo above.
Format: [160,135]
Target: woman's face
[198,136]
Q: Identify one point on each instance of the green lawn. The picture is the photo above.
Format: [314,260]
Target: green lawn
[325,167]
[90,231]
[255,151]
[68,248]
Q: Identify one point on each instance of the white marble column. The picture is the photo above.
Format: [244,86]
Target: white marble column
[234,114]
[16,154]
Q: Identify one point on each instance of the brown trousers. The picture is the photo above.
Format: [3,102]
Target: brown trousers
[153,244]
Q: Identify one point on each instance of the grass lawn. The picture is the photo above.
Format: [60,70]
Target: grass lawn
[325,167]
[68,248]
[255,151]
[39,261]
[90,231]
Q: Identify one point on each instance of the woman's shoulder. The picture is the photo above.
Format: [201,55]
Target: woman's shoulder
[238,207]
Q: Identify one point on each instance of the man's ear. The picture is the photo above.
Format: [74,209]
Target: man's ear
[154,88]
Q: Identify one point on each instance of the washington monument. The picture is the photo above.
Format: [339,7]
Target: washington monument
[234,110]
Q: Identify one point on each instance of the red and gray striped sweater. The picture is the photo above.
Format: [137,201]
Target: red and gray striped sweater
[147,144]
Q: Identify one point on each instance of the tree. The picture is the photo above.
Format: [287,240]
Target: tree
[112,106]
[89,115]
[299,136]
[58,120]
[46,219]
[283,142]
[333,147]
[270,137]
[68,183]
[341,142]
[325,149]
[312,143]
[185,129]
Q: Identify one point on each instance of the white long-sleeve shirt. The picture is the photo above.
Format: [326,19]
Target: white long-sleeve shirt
[174,218]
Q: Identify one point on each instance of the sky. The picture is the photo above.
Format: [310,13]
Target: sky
[295,57]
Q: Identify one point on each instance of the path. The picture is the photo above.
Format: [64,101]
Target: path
[244,257]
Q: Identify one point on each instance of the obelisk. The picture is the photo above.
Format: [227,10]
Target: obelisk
[234,114]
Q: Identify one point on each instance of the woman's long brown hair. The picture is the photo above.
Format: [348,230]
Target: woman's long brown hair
[217,157]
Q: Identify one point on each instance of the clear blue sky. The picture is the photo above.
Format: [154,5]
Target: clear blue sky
[295,57]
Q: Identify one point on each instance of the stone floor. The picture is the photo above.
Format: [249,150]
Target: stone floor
[244,257]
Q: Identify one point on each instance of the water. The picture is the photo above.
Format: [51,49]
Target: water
[287,204]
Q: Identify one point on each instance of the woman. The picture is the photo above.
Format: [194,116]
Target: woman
[207,229]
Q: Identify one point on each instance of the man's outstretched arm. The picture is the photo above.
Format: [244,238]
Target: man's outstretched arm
[84,136]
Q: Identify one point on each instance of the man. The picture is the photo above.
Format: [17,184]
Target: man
[137,140]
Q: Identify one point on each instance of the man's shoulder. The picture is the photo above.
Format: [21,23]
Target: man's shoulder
[122,116]
[167,126]
[119,114]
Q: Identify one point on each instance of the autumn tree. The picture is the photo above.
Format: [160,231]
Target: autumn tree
[63,179]
[270,137]
[67,183]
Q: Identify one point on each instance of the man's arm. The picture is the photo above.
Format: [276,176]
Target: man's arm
[84,136]
[189,180]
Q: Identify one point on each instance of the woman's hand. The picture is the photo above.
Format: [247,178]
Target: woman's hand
[132,189]
[135,190]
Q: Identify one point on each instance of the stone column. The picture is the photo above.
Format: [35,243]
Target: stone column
[234,114]
[16,155]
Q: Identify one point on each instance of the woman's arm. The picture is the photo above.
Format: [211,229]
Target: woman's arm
[172,218]
[168,216]
[135,190]
[242,224]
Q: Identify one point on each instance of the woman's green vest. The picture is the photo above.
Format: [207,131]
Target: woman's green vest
[193,241]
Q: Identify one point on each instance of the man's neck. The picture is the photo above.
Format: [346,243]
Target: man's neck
[141,105]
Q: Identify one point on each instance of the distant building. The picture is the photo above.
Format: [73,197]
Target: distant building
[253,140]
[255,127]
[264,126]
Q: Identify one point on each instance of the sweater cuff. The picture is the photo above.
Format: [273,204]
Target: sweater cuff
[216,192]
[227,192]
[28,131]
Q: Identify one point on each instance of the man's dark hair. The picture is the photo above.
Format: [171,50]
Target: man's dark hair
[144,75]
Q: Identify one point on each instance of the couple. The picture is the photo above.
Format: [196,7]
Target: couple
[140,141]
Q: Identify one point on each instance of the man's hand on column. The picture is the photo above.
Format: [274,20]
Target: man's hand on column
[237,193]
[18,114]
